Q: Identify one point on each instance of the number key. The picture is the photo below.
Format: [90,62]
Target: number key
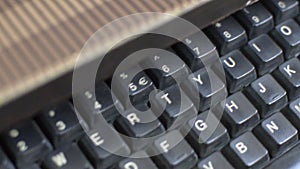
[166,69]
[132,86]
[282,9]
[26,143]
[60,123]
[197,50]
[228,35]
[256,19]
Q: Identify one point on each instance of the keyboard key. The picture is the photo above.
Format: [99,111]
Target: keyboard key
[277,134]
[287,35]
[228,35]
[205,89]
[207,134]
[26,143]
[90,106]
[239,114]
[239,71]
[264,53]
[267,95]
[197,51]
[282,9]
[139,124]
[174,152]
[166,67]
[178,108]
[288,75]
[5,163]
[214,161]
[132,88]
[140,162]
[292,112]
[246,152]
[256,19]
[104,148]
[60,124]
[68,157]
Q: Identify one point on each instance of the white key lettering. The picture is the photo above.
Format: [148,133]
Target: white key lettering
[166,98]
[242,148]
[230,62]
[262,88]
[165,145]
[131,165]
[133,118]
[209,165]
[198,79]
[231,106]
[96,139]
[287,31]
[59,160]
[272,126]
[200,125]
[289,71]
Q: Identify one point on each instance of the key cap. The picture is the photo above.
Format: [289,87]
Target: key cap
[292,112]
[60,124]
[214,161]
[207,134]
[239,114]
[178,108]
[282,9]
[227,34]
[140,162]
[264,53]
[26,143]
[287,35]
[139,124]
[5,163]
[165,68]
[103,148]
[68,157]
[174,152]
[289,160]
[131,88]
[268,96]
[90,106]
[246,152]
[256,19]
[197,51]
[239,71]
[288,75]
[205,89]
[277,134]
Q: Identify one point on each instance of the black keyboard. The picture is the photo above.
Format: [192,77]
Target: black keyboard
[259,49]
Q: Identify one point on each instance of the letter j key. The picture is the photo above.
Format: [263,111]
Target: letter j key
[267,94]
